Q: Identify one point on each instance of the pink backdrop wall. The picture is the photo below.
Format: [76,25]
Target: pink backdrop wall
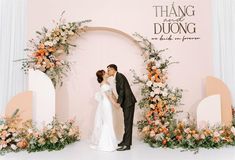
[97,49]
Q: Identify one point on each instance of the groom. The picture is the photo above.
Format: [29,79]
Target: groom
[127,101]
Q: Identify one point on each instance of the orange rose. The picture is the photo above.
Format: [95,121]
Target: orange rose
[193,132]
[149,76]
[41,46]
[158,71]
[52,49]
[165,130]
[22,144]
[159,105]
[216,139]
[164,142]
[41,52]
[179,137]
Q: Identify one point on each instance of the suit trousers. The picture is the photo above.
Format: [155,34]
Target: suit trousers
[128,112]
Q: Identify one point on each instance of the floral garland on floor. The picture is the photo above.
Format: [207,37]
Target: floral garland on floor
[53,136]
[159,127]
[45,52]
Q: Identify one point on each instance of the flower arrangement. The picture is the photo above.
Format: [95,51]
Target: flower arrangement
[9,135]
[45,52]
[54,136]
[159,128]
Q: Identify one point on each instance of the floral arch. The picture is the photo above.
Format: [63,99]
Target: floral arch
[158,126]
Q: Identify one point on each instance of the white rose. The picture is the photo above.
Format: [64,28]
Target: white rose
[216,134]
[152,106]
[159,136]
[71,33]
[202,136]
[155,85]
[1,126]
[233,130]
[57,38]
[157,91]
[50,43]
[157,122]
[152,78]
[46,43]
[145,77]
[63,33]
[152,134]
[14,147]
[154,67]
[37,66]
[158,65]
[161,85]
[187,130]
[152,94]
[54,42]
[48,34]
[149,83]
[30,131]
[163,71]
[164,94]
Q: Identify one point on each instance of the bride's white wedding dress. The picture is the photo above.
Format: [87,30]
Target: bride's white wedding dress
[103,136]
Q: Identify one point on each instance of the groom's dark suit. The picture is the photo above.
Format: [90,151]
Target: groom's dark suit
[127,101]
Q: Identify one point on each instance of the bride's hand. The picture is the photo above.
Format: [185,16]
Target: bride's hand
[117,105]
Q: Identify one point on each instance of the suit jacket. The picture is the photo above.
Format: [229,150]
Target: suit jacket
[125,96]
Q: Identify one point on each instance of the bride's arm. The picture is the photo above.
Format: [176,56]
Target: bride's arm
[112,99]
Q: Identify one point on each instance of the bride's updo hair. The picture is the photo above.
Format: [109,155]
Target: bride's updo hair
[100,74]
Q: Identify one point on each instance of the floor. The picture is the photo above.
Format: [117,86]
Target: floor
[139,151]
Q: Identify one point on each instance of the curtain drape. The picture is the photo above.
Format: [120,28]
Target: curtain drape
[224,42]
[12,44]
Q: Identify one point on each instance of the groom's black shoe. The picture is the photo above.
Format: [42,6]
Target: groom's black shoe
[120,144]
[124,148]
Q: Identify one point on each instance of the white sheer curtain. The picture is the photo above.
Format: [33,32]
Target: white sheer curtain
[12,44]
[224,42]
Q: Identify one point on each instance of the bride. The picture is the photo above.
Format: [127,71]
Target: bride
[103,136]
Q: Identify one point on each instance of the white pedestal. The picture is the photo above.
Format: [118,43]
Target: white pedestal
[43,96]
[209,111]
